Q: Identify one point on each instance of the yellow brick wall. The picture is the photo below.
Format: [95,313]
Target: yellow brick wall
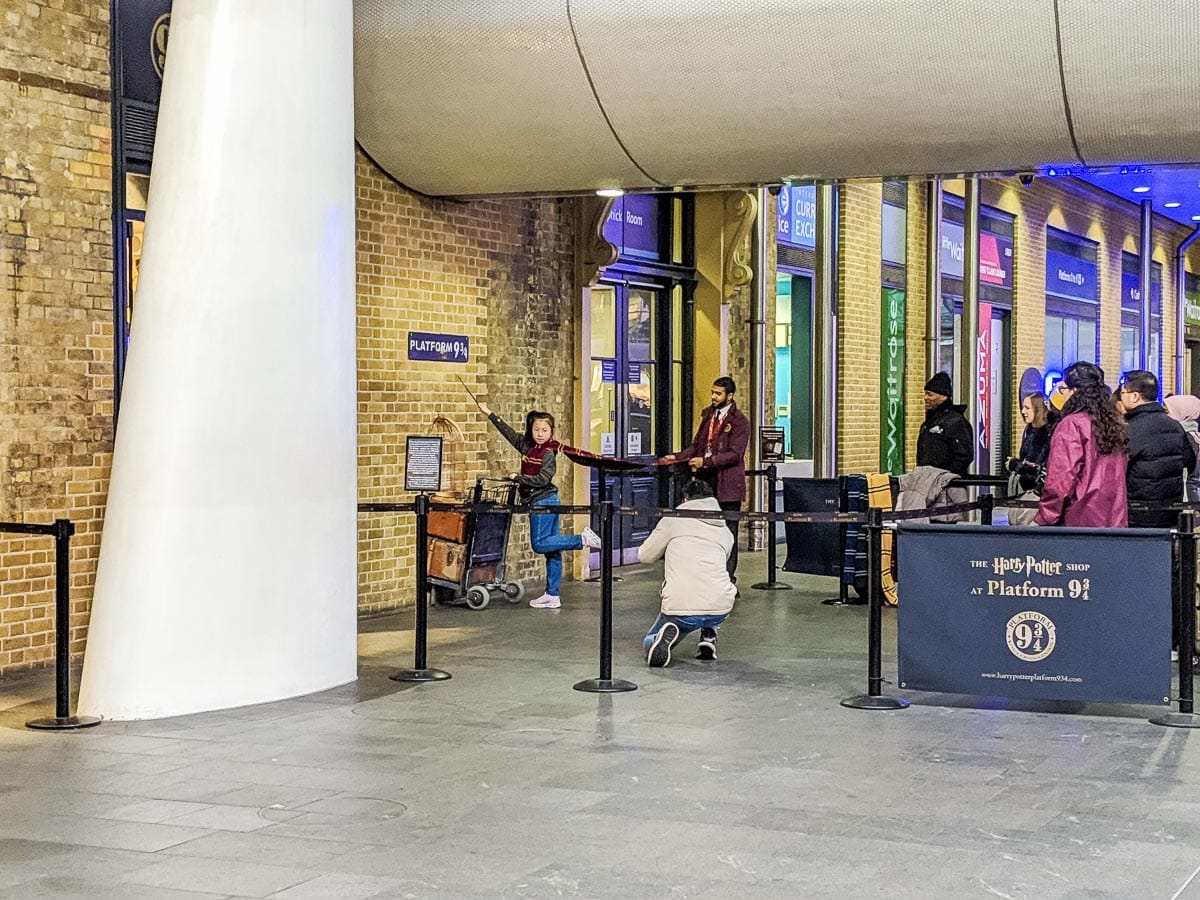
[56,319]
[499,272]
[859,326]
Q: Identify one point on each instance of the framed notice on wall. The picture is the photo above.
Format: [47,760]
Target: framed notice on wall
[771,449]
[422,463]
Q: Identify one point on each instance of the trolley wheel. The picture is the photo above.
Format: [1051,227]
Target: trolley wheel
[513,592]
[478,597]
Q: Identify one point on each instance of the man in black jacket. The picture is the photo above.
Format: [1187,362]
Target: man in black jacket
[945,440]
[1159,451]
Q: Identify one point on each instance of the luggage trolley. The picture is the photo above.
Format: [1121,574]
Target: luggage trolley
[467,547]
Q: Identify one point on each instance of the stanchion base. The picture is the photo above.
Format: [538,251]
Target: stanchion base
[420,675]
[838,601]
[596,579]
[770,586]
[1177,720]
[866,701]
[605,686]
[62,723]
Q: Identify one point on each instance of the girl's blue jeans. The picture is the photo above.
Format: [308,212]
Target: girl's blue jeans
[545,539]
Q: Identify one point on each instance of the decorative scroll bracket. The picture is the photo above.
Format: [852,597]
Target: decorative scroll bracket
[741,210]
[595,252]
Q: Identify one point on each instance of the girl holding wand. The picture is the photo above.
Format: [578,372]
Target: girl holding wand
[535,485]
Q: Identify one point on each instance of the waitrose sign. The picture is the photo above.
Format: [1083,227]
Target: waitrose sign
[1191,300]
[891,393]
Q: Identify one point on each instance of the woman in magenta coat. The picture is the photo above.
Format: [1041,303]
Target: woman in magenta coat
[1089,450]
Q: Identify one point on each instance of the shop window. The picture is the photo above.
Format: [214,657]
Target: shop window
[1131,315]
[793,362]
[1072,300]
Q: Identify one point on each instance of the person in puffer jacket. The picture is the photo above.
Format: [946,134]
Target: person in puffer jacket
[697,593]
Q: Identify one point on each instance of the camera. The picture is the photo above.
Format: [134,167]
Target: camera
[1026,178]
[774,189]
[1029,474]
[1019,466]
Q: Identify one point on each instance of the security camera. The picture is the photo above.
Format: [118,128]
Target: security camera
[774,189]
[1026,178]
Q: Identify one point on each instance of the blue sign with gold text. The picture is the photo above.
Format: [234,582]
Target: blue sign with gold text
[1045,613]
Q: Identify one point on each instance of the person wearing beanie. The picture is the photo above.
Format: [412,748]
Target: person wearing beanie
[945,441]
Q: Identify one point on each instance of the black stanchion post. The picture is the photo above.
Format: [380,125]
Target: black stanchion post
[601,499]
[420,671]
[873,698]
[771,584]
[987,506]
[605,684]
[62,719]
[1185,602]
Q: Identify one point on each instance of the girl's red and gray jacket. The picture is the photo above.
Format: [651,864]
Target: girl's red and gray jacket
[538,463]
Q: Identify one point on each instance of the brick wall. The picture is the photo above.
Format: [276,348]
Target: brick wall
[499,272]
[55,308]
[859,326]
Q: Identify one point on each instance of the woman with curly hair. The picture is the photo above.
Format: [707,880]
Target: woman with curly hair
[1089,451]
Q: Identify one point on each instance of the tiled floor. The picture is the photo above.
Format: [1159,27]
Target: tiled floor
[740,778]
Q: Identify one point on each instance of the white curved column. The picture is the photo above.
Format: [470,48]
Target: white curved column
[227,570]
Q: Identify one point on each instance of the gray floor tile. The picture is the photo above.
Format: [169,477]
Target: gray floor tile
[741,779]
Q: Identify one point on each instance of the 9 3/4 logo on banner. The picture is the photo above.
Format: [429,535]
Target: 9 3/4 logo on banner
[1030,636]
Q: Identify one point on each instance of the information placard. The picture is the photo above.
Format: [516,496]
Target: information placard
[422,463]
[771,445]
[1045,613]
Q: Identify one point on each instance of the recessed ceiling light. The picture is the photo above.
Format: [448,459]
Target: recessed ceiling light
[1141,189]
[1172,204]
[610,192]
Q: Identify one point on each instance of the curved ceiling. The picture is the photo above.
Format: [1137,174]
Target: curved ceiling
[458,97]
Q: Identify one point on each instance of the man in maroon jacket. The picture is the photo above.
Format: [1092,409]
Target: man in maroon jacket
[717,454]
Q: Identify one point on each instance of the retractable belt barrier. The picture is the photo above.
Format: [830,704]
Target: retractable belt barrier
[422,672]
[61,531]
[874,520]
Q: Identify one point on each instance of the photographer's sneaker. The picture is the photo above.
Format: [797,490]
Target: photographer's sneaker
[659,653]
[707,647]
[590,538]
[546,601]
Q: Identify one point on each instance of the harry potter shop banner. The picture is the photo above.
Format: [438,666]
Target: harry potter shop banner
[1040,613]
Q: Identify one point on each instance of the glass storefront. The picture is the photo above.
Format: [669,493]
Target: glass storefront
[993,391]
[640,350]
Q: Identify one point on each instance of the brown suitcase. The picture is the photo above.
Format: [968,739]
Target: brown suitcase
[448,524]
[446,559]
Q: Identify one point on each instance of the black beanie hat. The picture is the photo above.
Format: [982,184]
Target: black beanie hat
[940,384]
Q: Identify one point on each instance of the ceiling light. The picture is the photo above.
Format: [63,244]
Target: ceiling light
[610,192]
[1196,218]
[1172,204]
[1141,189]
